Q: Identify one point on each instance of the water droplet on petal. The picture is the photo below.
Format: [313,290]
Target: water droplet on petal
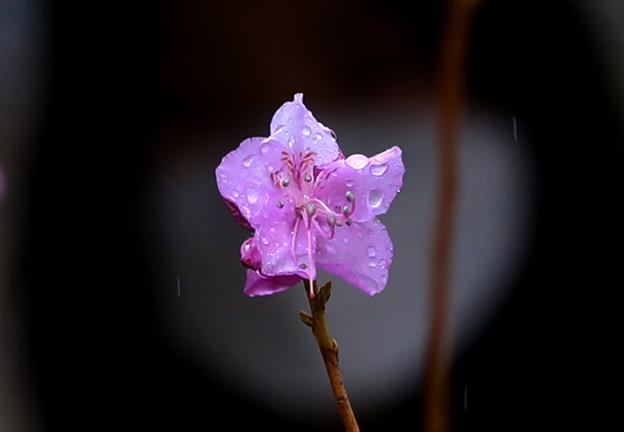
[372,264]
[346,240]
[247,161]
[317,137]
[330,249]
[383,264]
[379,170]
[264,148]
[252,196]
[333,134]
[349,183]
[306,131]
[375,198]
[235,194]
[265,241]
[270,168]
[291,142]
[372,251]
[357,161]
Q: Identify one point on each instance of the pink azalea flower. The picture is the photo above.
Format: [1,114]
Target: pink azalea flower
[308,206]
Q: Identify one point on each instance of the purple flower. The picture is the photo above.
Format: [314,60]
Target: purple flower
[309,206]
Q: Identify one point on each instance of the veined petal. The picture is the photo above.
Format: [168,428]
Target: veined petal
[361,254]
[258,285]
[296,128]
[373,183]
[282,253]
[244,179]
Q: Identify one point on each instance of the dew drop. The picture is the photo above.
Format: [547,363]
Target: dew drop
[349,183]
[252,196]
[372,251]
[383,264]
[235,194]
[265,241]
[375,198]
[317,137]
[346,240]
[379,170]
[270,168]
[247,161]
[264,148]
[357,161]
[372,264]
[330,249]
[306,131]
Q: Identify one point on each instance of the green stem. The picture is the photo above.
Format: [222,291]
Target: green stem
[329,350]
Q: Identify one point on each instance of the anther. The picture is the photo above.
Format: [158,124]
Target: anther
[311,209]
[349,196]
[348,221]
[303,266]
[285,182]
[331,220]
[280,204]
[346,210]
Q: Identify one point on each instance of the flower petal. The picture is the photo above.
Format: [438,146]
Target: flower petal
[361,254]
[374,182]
[258,285]
[274,241]
[295,127]
[244,179]
[250,255]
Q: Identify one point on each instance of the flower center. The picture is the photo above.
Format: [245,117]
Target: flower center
[301,180]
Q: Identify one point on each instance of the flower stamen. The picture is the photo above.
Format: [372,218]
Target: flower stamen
[294,239]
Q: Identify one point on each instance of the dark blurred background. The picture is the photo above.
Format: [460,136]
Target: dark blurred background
[121,299]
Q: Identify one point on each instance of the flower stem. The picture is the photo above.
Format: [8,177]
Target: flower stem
[329,350]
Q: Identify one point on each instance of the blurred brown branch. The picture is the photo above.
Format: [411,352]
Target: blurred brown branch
[450,95]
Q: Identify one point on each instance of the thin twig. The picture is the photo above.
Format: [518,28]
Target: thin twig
[329,350]
[450,100]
